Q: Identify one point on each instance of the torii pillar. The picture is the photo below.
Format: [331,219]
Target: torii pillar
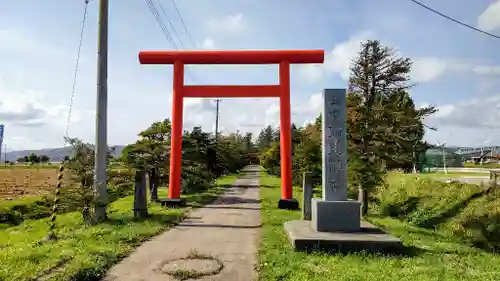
[281,91]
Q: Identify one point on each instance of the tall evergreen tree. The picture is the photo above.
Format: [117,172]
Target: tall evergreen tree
[266,138]
[382,120]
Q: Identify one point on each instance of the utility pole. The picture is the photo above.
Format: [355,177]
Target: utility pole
[443,156]
[414,161]
[217,101]
[5,155]
[444,162]
[101,143]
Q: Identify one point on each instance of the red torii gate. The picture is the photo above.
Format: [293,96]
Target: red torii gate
[282,91]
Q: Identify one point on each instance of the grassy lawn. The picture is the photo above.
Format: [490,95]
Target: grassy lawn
[85,253]
[436,256]
[486,166]
[439,175]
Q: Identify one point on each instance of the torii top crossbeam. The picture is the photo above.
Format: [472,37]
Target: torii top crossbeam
[232,57]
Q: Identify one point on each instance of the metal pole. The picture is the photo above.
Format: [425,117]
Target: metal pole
[5,155]
[444,162]
[414,161]
[217,101]
[101,147]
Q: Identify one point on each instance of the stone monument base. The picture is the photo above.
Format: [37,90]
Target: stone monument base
[368,238]
[288,204]
[335,215]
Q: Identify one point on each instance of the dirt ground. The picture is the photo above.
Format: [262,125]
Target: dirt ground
[15,183]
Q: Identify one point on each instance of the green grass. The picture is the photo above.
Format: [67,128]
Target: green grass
[14,212]
[469,211]
[85,253]
[448,175]
[485,166]
[437,256]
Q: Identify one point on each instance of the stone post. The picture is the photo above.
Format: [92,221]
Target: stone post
[153,185]
[334,212]
[140,196]
[307,193]
[334,146]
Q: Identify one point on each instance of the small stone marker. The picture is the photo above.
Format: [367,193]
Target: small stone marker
[307,193]
[140,197]
[334,212]
[153,185]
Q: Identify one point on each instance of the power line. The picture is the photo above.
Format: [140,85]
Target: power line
[170,23]
[156,15]
[161,23]
[76,68]
[455,20]
[184,24]
[217,101]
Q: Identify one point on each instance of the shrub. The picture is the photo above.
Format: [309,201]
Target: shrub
[16,211]
[467,211]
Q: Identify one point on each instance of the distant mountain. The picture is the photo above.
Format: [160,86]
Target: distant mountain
[55,154]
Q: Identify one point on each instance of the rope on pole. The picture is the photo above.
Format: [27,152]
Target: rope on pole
[52,223]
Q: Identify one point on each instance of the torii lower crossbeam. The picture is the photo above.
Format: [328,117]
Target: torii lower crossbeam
[281,91]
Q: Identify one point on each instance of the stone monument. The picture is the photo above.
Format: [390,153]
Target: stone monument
[335,222]
[334,212]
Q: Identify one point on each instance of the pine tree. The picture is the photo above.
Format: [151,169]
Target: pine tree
[378,77]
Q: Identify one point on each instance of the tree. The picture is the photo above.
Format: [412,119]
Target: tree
[276,134]
[151,153]
[270,159]
[379,127]
[203,158]
[33,158]
[307,153]
[21,160]
[44,159]
[409,129]
[199,161]
[81,166]
[265,138]
[248,141]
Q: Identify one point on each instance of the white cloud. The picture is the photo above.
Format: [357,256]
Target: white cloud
[468,123]
[208,43]
[311,72]
[489,19]
[424,69]
[25,45]
[427,69]
[487,70]
[234,23]
[30,119]
[474,113]
[340,58]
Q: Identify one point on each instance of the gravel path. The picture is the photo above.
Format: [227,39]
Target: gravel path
[220,239]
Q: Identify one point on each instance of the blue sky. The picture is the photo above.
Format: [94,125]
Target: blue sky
[457,69]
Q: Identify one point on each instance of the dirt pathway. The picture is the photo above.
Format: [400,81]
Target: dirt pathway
[220,239]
